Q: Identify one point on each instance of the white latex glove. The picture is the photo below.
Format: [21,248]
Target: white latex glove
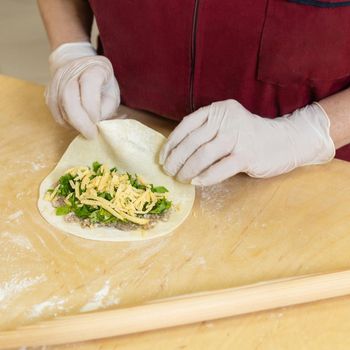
[83,89]
[223,139]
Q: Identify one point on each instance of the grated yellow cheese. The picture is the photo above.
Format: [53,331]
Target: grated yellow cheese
[53,194]
[71,182]
[127,202]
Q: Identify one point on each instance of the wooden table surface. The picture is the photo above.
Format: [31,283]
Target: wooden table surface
[241,231]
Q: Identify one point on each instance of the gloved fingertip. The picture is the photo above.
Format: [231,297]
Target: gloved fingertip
[161,159]
[95,118]
[65,125]
[61,122]
[183,179]
[162,155]
[168,172]
[196,181]
[91,133]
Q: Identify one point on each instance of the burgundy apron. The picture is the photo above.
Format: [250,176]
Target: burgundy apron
[273,56]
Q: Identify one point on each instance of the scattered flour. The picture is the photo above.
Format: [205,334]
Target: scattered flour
[15,286]
[276,315]
[14,216]
[20,195]
[213,199]
[151,249]
[209,324]
[16,239]
[35,165]
[38,309]
[99,299]
[200,261]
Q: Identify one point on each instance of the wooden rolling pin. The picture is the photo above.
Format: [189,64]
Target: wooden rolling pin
[180,310]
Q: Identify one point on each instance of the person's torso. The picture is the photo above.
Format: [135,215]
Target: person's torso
[273,56]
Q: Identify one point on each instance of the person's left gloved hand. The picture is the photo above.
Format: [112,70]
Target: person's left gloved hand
[223,139]
[83,89]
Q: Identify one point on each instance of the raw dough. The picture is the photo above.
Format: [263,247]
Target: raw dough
[130,146]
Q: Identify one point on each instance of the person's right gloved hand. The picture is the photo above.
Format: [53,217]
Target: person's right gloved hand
[82,89]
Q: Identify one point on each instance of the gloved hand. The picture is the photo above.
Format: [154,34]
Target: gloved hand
[83,89]
[223,139]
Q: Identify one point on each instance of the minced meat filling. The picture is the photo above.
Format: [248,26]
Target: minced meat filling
[123,226]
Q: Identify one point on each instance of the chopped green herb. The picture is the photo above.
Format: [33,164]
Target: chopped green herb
[159,189]
[72,200]
[63,210]
[84,211]
[96,166]
[134,182]
[161,206]
[65,187]
[105,195]
[102,215]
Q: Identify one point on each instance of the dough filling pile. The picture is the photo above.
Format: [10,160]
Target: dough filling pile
[99,196]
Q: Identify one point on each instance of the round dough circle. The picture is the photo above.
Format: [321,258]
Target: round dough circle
[132,147]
